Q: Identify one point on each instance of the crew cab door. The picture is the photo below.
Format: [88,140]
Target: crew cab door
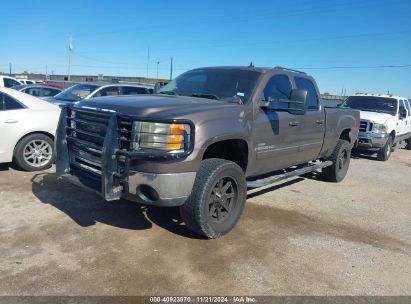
[275,132]
[312,124]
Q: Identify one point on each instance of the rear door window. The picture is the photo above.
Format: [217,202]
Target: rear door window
[9,103]
[312,98]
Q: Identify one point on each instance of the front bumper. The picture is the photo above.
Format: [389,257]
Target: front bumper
[112,174]
[171,189]
[367,140]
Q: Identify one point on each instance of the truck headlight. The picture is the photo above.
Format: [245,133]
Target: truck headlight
[379,128]
[160,136]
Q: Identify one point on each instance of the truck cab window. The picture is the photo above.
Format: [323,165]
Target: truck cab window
[278,87]
[402,107]
[407,105]
[312,98]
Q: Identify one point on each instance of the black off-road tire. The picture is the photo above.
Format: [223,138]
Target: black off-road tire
[408,145]
[198,213]
[385,152]
[341,161]
[19,152]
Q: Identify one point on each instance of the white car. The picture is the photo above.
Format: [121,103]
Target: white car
[8,81]
[27,129]
[385,121]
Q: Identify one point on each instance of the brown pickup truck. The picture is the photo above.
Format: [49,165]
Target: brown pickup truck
[204,139]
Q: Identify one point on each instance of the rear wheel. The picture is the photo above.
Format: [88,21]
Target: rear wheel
[408,145]
[217,199]
[385,152]
[341,161]
[34,152]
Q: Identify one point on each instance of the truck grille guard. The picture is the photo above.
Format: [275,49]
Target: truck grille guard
[93,148]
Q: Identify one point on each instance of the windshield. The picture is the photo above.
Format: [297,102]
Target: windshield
[372,104]
[230,85]
[76,92]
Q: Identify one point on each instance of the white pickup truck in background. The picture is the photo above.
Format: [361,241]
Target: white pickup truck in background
[385,122]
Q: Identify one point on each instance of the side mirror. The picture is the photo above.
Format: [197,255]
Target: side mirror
[403,113]
[298,102]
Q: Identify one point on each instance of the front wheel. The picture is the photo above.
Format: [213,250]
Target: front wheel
[408,144]
[385,152]
[217,199]
[34,152]
[341,161]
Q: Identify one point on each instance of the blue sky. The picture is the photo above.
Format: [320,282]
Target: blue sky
[113,37]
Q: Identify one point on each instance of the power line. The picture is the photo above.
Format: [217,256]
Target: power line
[253,16]
[354,67]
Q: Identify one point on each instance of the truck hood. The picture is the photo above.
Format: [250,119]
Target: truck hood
[155,106]
[375,117]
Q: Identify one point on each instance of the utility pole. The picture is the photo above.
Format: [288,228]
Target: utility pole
[70,48]
[46,73]
[158,62]
[148,59]
[171,69]
[10,68]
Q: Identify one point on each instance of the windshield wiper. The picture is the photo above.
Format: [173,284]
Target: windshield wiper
[209,96]
[168,93]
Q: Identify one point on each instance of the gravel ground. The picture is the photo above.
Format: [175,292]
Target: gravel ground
[302,237]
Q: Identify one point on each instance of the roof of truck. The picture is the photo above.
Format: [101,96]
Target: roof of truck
[253,68]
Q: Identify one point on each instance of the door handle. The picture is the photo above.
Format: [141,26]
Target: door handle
[294,123]
[319,121]
[11,120]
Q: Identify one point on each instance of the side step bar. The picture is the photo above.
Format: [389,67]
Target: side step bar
[276,178]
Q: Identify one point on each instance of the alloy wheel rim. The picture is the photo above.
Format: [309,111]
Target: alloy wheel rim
[222,200]
[37,153]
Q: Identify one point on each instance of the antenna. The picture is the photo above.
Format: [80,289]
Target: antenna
[70,48]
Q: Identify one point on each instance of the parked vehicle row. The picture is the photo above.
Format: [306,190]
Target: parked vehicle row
[201,141]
